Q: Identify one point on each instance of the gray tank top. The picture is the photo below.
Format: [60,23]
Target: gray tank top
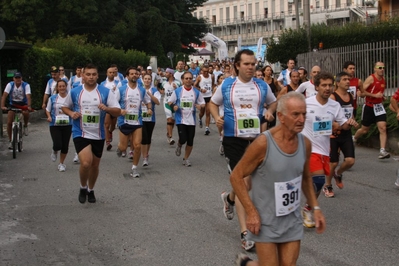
[277,167]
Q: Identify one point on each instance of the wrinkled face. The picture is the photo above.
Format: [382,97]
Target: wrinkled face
[295,115]
[90,76]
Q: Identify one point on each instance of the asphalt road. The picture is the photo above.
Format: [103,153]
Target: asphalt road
[172,215]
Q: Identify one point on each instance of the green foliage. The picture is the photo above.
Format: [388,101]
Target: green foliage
[294,42]
[36,66]
[153,26]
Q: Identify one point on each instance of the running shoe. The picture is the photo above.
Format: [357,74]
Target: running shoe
[82,195]
[145,161]
[26,131]
[134,173]
[61,167]
[53,156]
[397,182]
[338,181]
[10,145]
[123,154]
[200,123]
[228,209]
[328,191]
[109,146]
[178,150]
[221,149]
[130,155]
[172,141]
[186,162]
[383,154]
[307,218]
[245,243]
[240,258]
[76,158]
[207,132]
[90,197]
[167,137]
[118,152]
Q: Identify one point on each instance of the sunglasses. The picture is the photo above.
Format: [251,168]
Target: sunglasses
[380,67]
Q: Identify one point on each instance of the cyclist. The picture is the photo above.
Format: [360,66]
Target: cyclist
[19,93]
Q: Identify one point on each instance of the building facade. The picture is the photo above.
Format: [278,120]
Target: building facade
[252,19]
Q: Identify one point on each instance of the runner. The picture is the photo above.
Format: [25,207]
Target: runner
[321,112]
[87,105]
[110,122]
[204,83]
[243,99]
[183,101]
[340,140]
[148,120]
[130,97]
[168,87]
[60,124]
[273,210]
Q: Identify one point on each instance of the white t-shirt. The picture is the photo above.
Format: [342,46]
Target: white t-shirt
[307,87]
[318,124]
[17,92]
[206,83]
[178,75]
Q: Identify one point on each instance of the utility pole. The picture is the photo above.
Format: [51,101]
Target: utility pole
[306,20]
[297,14]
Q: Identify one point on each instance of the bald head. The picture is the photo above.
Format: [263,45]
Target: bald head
[315,70]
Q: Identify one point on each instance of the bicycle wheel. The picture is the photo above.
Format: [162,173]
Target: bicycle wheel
[14,141]
[20,139]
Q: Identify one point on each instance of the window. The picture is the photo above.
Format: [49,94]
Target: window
[337,3]
[235,13]
[208,14]
[221,14]
[249,11]
[257,10]
[266,12]
[200,14]
[326,4]
[214,20]
[227,14]
[195,14]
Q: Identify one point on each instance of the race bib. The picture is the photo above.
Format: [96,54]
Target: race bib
[144,113]
[352,90]
[348,111]
[186,104]
[287,196]
[132,118]
[378,109]
[247,123]
[91,117]
[62,120]
[322,126]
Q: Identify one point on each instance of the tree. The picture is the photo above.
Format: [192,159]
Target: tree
[152,26]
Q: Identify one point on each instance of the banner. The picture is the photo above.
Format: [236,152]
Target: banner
[259,49]
[217,43]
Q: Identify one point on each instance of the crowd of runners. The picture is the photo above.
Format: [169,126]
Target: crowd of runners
[264,124]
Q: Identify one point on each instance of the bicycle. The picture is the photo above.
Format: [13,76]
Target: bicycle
[16,132]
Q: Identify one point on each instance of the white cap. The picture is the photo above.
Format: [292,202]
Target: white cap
[149,68]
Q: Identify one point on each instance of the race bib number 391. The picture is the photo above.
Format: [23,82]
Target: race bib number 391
[287,196]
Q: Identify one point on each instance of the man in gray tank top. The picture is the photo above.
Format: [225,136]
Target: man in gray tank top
[273,209]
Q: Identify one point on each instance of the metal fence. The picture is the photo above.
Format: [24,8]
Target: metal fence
[363,55]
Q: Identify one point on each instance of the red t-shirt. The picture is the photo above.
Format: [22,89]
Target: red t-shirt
[376,87]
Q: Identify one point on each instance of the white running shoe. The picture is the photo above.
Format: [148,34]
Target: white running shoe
[76,158]
[53,156]
[61,167]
